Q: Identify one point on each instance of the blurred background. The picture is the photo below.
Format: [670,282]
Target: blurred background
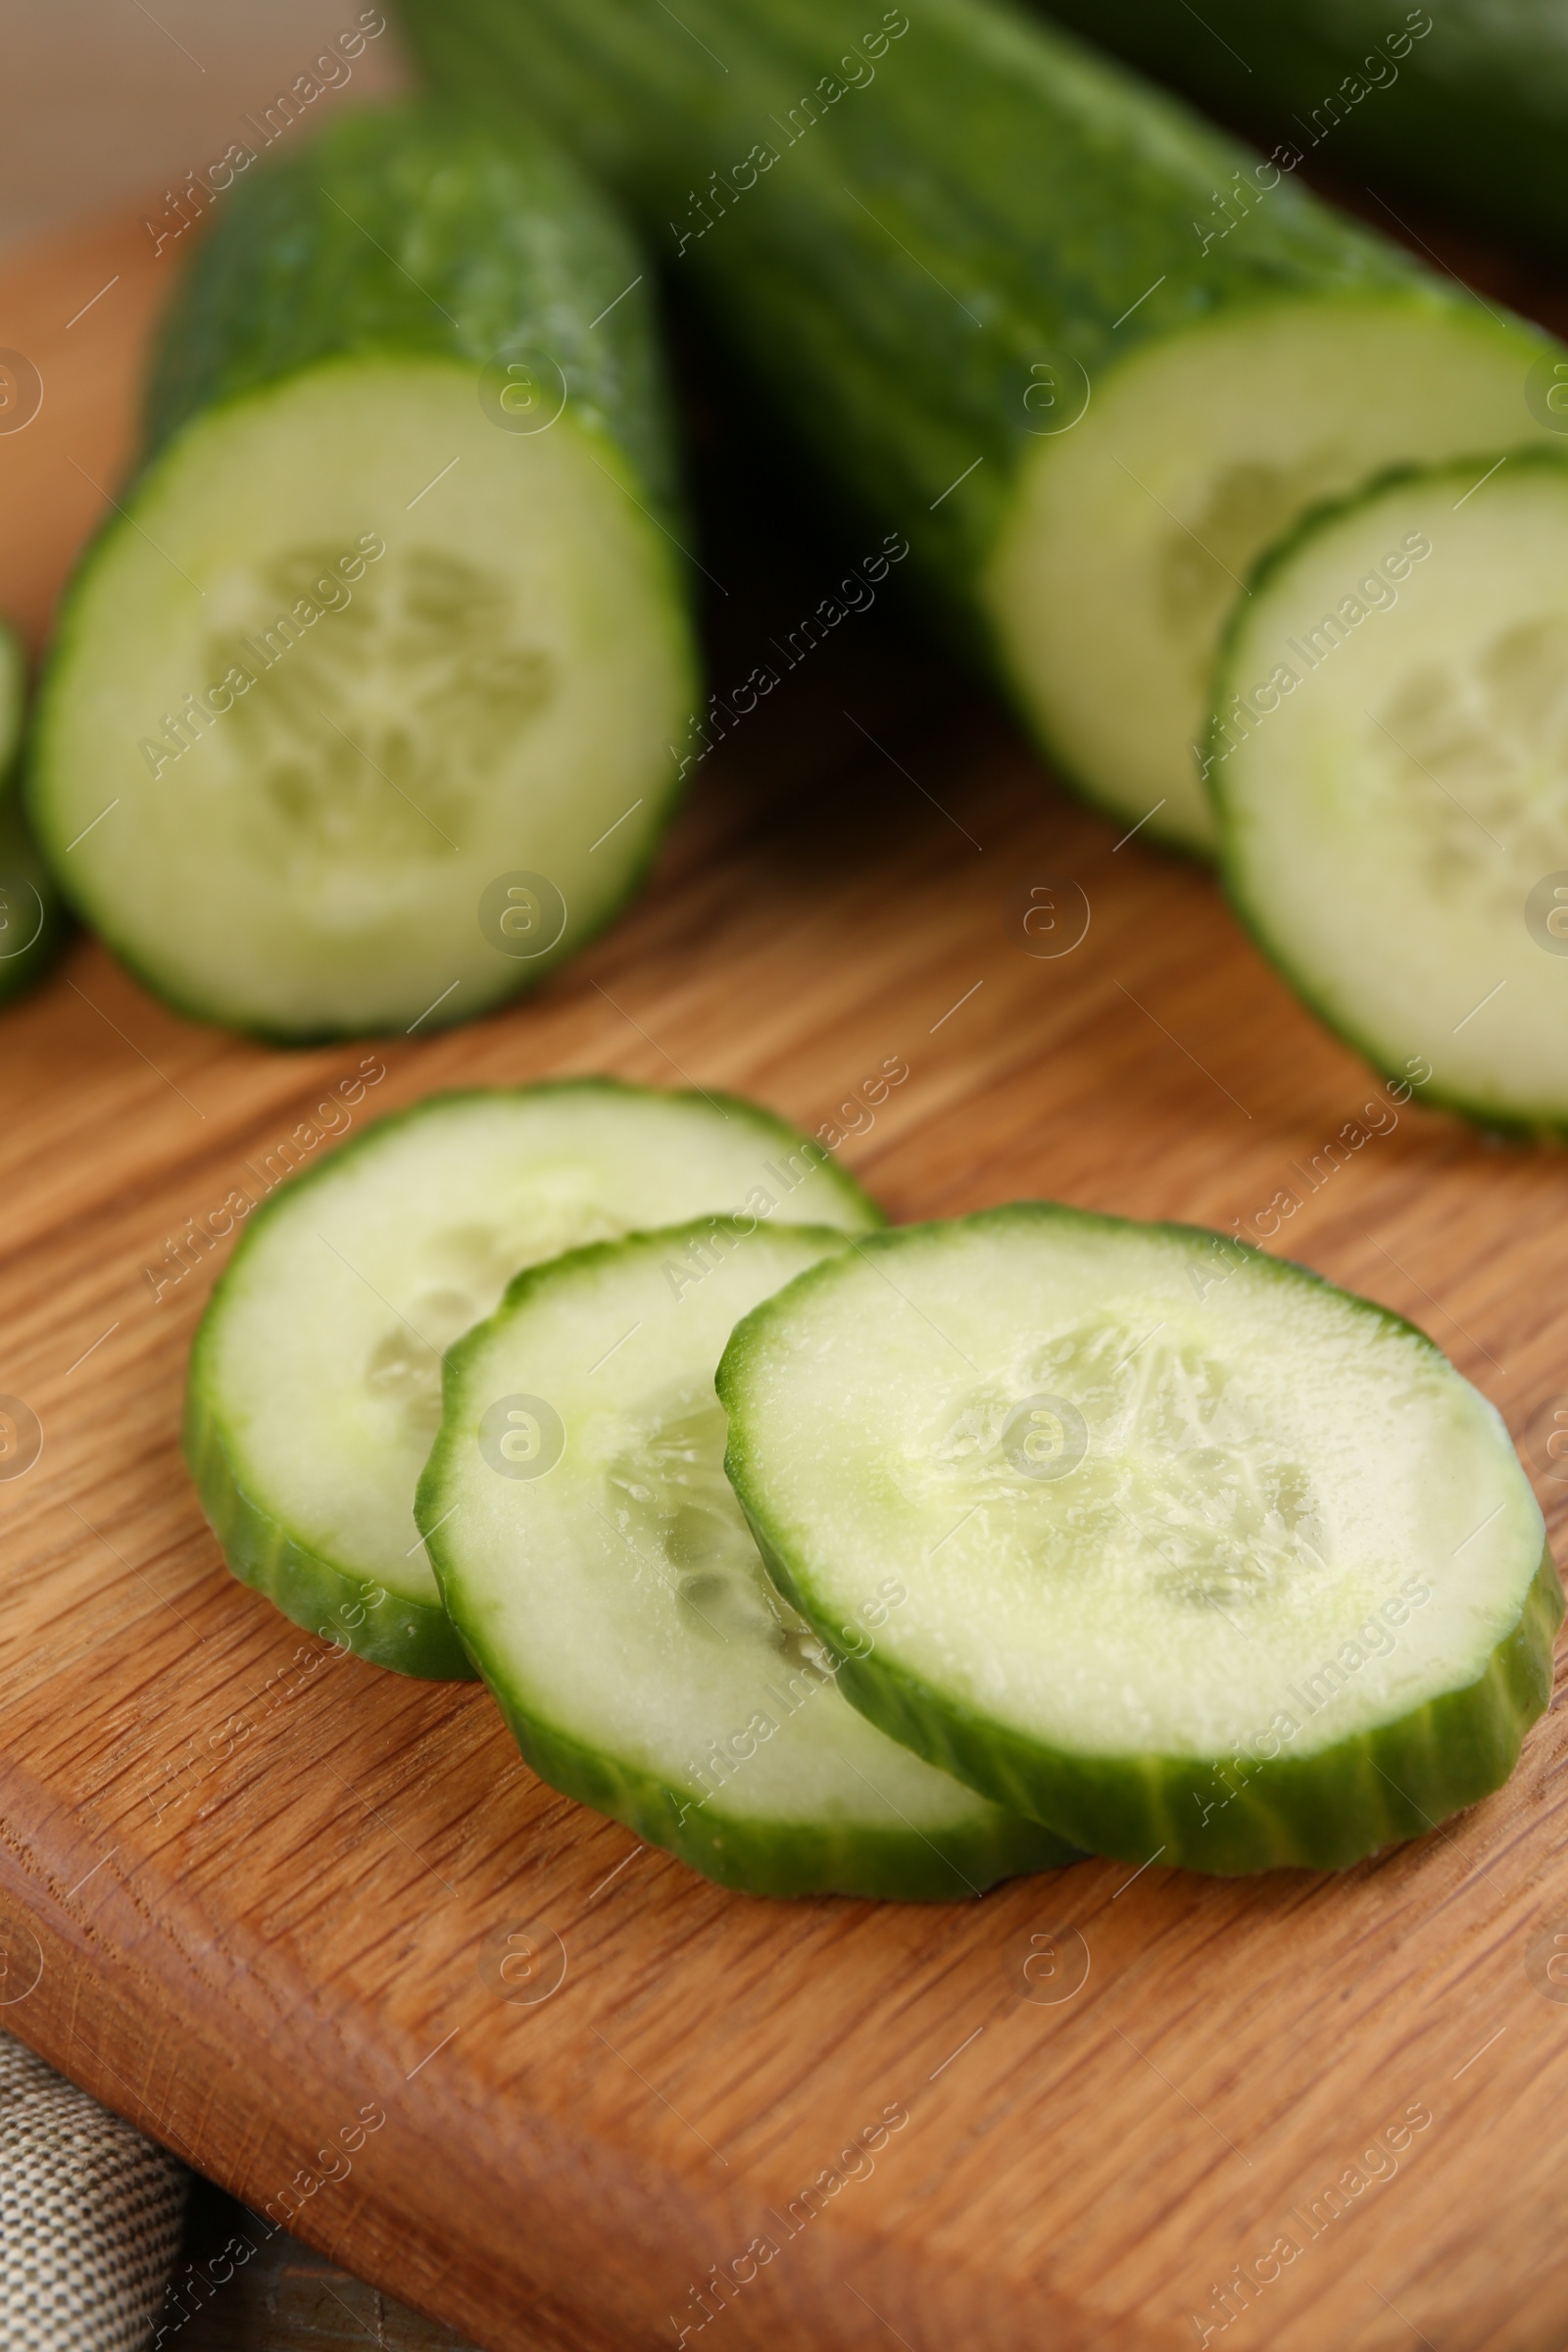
[107,102]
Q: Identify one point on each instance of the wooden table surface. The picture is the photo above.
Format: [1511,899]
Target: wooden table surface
[249,1891]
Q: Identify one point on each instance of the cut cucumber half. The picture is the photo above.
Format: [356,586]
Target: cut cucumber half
[1089,356]
[602,1576]
[1208,1561]
[359,711]
[30,918]
[1390,764]
[313,1390]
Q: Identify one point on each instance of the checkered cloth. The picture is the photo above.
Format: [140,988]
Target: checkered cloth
[90,2217]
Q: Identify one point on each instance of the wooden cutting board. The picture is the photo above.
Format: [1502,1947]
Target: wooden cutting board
[253,1895]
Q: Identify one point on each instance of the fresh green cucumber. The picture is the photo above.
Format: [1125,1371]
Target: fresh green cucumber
[314,1390]
[31,921]
[360,712]
[1466,102]
[959,254]
[1390,764]
[597,1565]
[1208,1561]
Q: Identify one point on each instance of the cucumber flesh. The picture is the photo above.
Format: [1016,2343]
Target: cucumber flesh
[313,1390]
[417,704]
[1133,534]
[1208,1559]
[618,1609]
[359,715]
[986,276]
[1390,763]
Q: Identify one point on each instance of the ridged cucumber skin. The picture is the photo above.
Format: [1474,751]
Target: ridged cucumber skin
[1320,1812]
[316,1593]
[1036,187]
[421,227]
[786,1858]
[1474,114]
[20,860]
[310,1589]
[1543,1122]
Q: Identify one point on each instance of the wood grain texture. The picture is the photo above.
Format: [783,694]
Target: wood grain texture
[249,1890]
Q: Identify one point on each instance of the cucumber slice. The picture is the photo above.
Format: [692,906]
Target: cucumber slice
[359,713]
[314,1390]
[31,925]
[1208,1559]
[618,1608]
[1390,763]
[987,278]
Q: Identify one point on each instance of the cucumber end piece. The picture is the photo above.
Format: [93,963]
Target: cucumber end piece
[1389,766]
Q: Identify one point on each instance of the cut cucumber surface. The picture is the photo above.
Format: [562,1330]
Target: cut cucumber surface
[359,713]
[314,1390]
[1390,764]
[1132,535]
[1090,356]
[602,1576]
[1208,1560]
